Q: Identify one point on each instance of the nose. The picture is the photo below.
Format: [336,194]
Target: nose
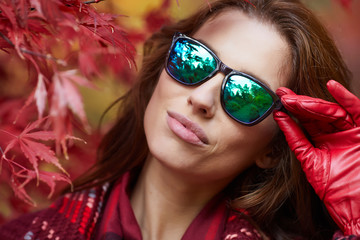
[205,98]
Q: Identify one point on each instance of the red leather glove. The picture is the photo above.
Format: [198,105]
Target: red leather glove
[331,161]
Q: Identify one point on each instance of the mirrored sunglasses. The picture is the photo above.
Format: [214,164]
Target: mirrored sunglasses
[243,97]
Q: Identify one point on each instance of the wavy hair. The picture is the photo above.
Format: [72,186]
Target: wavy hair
[279,200]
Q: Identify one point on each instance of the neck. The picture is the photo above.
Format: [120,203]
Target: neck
[165,204]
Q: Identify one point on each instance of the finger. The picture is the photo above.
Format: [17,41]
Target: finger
[346,99]
[284,91]
[295,137]
[308,109]
[311,126]
[313,163]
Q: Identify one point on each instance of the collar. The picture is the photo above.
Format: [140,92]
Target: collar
[119,222]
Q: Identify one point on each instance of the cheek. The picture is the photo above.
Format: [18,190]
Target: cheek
[263,133]
[160,97]
[153,116]
[153,122]
[248,144]
[166,90]
[155,113]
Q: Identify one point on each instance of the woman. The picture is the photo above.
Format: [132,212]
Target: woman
[196,153]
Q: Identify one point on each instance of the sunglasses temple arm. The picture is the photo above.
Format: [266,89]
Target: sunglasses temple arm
[279,106]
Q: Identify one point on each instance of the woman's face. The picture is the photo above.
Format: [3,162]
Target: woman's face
[212,146]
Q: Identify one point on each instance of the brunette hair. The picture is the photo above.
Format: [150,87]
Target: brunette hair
[279,199]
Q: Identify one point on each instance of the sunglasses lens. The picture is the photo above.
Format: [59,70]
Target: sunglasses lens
[245,100]
[189,62]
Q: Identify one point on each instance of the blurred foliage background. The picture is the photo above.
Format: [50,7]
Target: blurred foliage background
[139,18]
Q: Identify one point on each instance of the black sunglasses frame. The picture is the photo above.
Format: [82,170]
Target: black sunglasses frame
[228,72]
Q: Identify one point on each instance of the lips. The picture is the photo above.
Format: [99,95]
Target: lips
[186,129]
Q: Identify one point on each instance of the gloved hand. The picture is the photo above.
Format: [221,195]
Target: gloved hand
[331,159]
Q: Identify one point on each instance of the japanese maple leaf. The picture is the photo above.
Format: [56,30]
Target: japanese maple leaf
[46,177]
[33,150]
[39,95]
[67,96]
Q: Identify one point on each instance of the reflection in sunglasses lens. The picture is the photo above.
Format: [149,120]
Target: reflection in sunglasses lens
[189,62]
[244,99]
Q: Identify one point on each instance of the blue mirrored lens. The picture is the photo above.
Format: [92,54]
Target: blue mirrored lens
[245,100]
[189,62]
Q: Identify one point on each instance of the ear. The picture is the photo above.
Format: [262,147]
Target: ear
[266,160]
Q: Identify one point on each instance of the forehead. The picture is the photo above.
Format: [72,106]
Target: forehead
[246,44]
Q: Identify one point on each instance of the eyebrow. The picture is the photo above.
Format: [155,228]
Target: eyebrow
[246,72]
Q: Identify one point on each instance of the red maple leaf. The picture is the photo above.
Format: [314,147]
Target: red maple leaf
[65,97]
[30,143]
[28,175]
[33,150]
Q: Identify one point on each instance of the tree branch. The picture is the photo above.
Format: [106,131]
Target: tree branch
[24,50]
[6,39]
[92,1]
